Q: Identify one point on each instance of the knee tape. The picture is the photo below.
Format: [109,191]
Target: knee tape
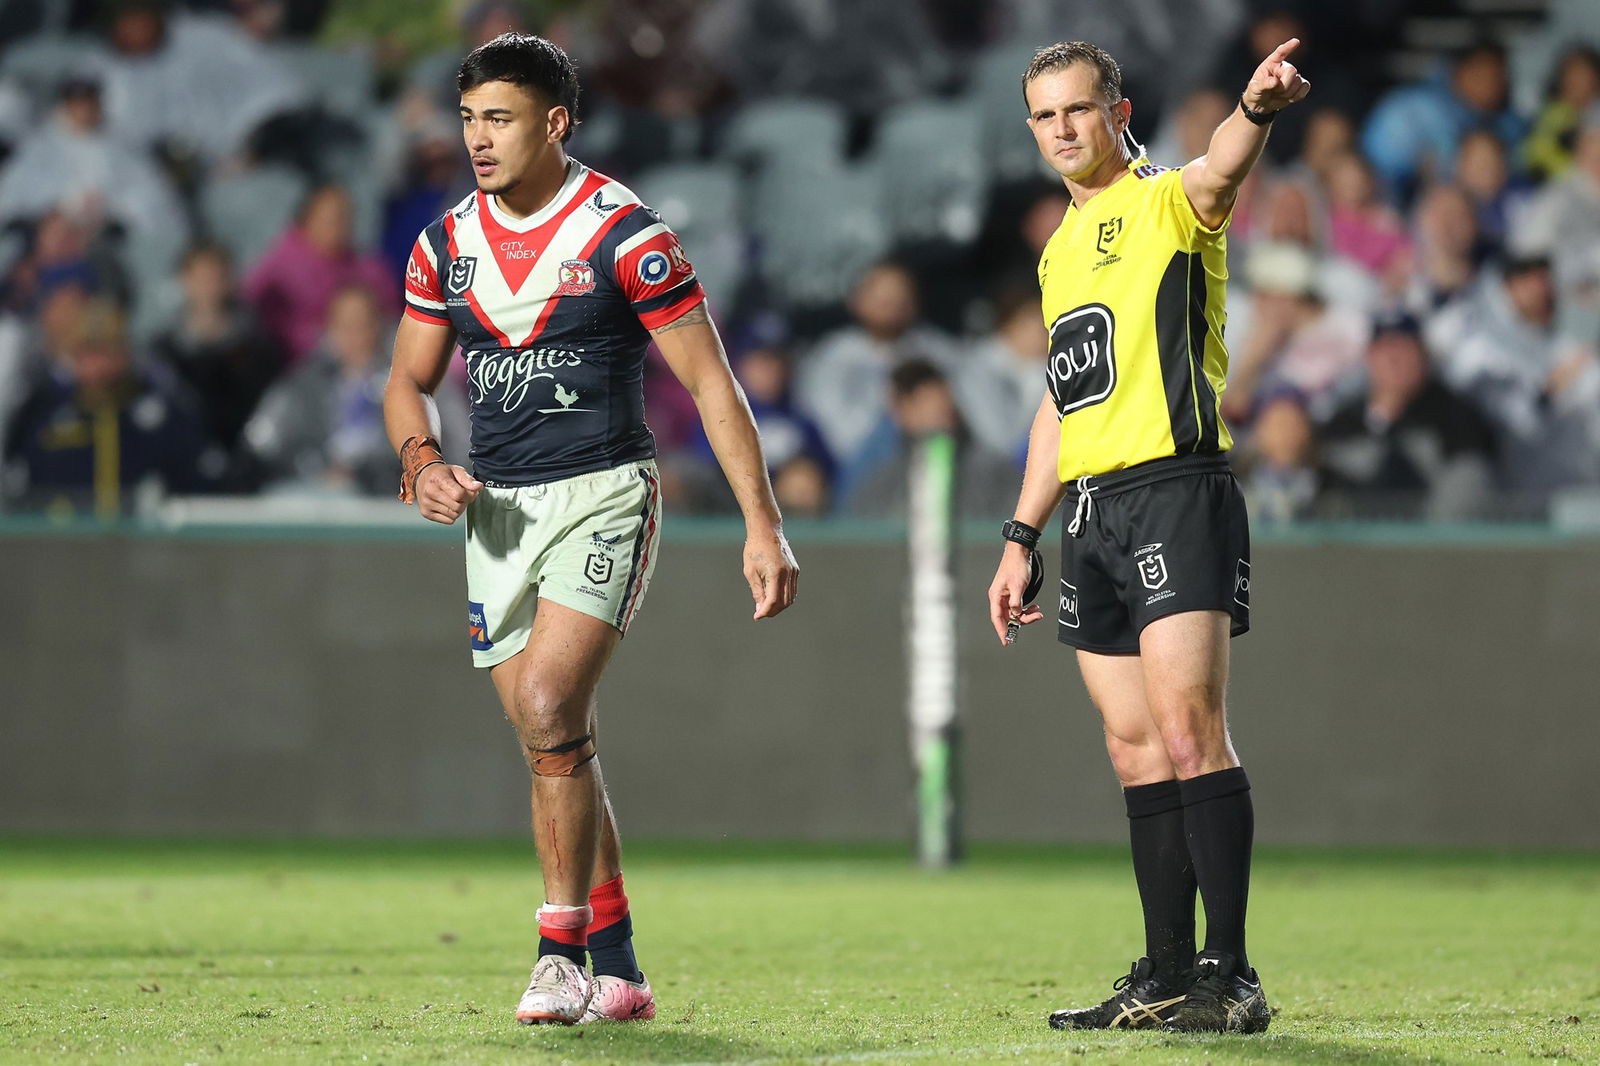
[563,759]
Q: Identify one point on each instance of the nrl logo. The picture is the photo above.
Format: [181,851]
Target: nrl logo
[1153,571]
[462,272]
[1110,230]
[598,568]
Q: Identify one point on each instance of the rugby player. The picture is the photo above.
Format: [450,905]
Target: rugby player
[554,279]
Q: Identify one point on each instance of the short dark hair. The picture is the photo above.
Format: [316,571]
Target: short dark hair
[528,61]
[1059,56]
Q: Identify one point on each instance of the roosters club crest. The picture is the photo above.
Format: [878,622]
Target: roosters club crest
[577,278]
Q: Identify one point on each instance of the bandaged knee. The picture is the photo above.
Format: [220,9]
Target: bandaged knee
[564,759]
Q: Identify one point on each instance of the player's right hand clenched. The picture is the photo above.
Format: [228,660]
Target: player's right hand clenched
[443,492]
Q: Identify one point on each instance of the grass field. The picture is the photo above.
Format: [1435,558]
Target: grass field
[178,952]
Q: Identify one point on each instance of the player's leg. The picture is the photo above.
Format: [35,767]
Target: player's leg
[1185,660]
[621,991]
[1152,991]
[548,692]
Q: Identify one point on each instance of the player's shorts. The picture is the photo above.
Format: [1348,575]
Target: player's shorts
[587,542]
[1160,538]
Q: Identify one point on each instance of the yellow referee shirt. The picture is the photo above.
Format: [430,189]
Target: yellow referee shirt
[1133,298]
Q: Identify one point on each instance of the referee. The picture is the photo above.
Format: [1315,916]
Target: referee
[1155,560]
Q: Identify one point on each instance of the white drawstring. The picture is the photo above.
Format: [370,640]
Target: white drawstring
[1085,509]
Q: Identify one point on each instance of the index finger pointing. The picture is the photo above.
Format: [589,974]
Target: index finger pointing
[1283,49]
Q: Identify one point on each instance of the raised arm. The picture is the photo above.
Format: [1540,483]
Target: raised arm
[1212,182]
[421,356]
[694,352]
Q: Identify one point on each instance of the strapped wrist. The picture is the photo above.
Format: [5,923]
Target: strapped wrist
[416,455]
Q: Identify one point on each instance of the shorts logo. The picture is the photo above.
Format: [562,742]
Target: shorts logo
[477,627]
[1083,361]
[655,268]
[1110,230]
[1069,604]
[1241,584]
[597,568]
[577,278]
[462,272]
[1153,570]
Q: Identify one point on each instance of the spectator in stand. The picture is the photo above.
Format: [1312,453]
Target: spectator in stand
[1409,446]
[765,370]
[294,283]
[429,181]
[1186,134]
[193,84]
[802,487]
[215,346]
[78,164]
[1563,220]
[100,427]
[921,405]
[1294,339]
[1574,89]
[1540,389]
[1001,378]
[1484,173]
[1279,474]
[1444,261]
[1361,226]
[1411,136]
[320,429]
[843,384]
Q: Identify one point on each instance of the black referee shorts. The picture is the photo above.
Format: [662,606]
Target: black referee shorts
[1159,538]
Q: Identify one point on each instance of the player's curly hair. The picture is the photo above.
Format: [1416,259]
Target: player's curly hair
[1059,56]
[529,61]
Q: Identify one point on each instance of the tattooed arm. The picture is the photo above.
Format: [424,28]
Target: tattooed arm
[694,352]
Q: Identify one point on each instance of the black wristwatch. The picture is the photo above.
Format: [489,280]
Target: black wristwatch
[1260,118]
[1022,533]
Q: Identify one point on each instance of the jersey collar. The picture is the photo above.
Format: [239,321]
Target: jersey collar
[576,172]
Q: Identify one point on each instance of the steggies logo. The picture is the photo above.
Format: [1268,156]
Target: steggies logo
[506,376]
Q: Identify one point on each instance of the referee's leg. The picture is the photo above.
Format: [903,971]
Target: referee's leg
[1185,663]
[1161,865]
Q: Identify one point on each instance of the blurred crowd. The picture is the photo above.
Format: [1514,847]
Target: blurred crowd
[207,208]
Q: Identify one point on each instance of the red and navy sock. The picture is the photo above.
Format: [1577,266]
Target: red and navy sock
[563,930]
[611,932]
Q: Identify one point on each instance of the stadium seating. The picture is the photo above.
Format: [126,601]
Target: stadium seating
[701,201]
[245,212]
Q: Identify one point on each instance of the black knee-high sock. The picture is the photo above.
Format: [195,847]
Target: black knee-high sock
[1165,875]
[1220,822]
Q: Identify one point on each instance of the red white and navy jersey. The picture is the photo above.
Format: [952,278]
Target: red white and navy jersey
[553,313]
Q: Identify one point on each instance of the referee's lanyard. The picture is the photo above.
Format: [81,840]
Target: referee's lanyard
[1084,511]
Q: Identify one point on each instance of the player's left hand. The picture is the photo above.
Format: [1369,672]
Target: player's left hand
[1276,83]
[773,574]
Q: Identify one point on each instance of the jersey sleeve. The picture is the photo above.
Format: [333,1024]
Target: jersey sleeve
[1194,232]
[652,270]
[424,297]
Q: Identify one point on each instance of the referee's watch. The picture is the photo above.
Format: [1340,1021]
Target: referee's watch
[1021,533]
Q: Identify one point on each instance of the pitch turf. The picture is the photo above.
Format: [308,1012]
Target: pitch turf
[277,952]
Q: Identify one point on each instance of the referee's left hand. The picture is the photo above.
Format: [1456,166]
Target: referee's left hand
[1276,83]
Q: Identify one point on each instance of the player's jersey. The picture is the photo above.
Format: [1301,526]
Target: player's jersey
[553,312]
[1133,296]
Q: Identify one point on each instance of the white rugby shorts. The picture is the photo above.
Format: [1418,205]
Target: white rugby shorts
[587,542]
